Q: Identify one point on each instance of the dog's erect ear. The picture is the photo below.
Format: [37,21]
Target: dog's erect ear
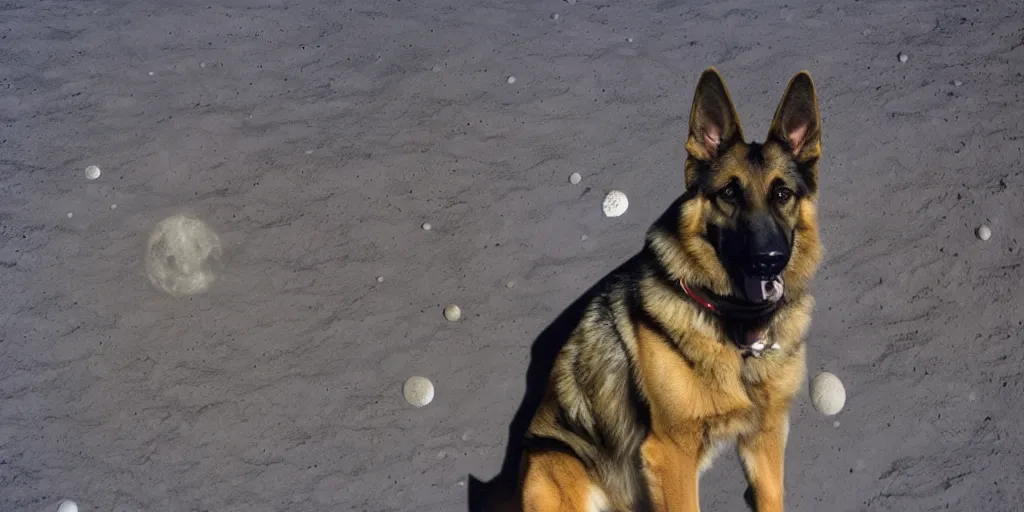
[797,124]
[713,120]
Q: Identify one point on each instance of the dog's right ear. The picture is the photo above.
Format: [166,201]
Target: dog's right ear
[713,120]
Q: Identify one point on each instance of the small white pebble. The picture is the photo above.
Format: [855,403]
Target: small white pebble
[629,39]
[827,394]
[380,279]
[452,313]
[510,284]
[309,151]
[418,391]
[555,16]
[151,73]
[957,83]
[67,506]
[615,204]
[70,215]
[835,424]
[426,226]
[202,64]
[575,178]
[583,238]
[92,172]
[113,206]
[903,57]
[983,232]
[436,68]
[511,79]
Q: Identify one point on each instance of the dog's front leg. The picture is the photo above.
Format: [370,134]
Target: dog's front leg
[672,470]
[763,453]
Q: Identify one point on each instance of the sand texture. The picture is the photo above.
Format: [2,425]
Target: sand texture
[315,138]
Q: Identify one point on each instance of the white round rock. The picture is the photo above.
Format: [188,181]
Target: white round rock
[418,391]
[511,79]
[903,57]
[92,172]
[426,226]
[983,232]
[575,178]
[182,256]
[827,394]
[67,506]
[452,313]
[615,204]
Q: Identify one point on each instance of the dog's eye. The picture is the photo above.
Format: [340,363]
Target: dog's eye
[729,193]
[783,194]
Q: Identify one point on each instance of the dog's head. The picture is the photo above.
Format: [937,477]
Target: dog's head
[750,223]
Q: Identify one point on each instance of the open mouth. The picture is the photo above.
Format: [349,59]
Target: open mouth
[763,289]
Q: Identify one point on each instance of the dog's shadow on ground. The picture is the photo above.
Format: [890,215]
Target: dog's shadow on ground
[499,494]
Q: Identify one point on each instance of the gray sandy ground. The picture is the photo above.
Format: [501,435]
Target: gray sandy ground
[315,137]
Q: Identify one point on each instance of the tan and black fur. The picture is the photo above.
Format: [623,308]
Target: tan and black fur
[656,377]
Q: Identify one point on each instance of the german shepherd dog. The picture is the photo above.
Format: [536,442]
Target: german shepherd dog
[698,341]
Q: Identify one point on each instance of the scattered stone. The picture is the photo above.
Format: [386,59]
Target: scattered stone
[903,57]
[92,172]
[202,64]
[629,39]
[151,73]
[418,391]
[67,506]
[70,215]
[511,79]
[555,16]
[575,178]
[309,151]
[983,232]
[957,83]
[615,203]
[583,238]
[835,424]
[183,256]
[452,313]
[380,279]
[827,394]
[426,226]
[436,68]
[113,207]
[510,284]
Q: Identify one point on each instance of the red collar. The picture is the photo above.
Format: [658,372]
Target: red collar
[697,298]
[728,307]
[752,341]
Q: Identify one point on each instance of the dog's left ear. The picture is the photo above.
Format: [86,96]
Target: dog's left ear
[797,125]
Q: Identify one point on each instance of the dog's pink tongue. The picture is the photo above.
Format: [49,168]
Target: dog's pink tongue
[764,290]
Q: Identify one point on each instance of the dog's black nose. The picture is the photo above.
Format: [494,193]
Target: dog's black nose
[769,263]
